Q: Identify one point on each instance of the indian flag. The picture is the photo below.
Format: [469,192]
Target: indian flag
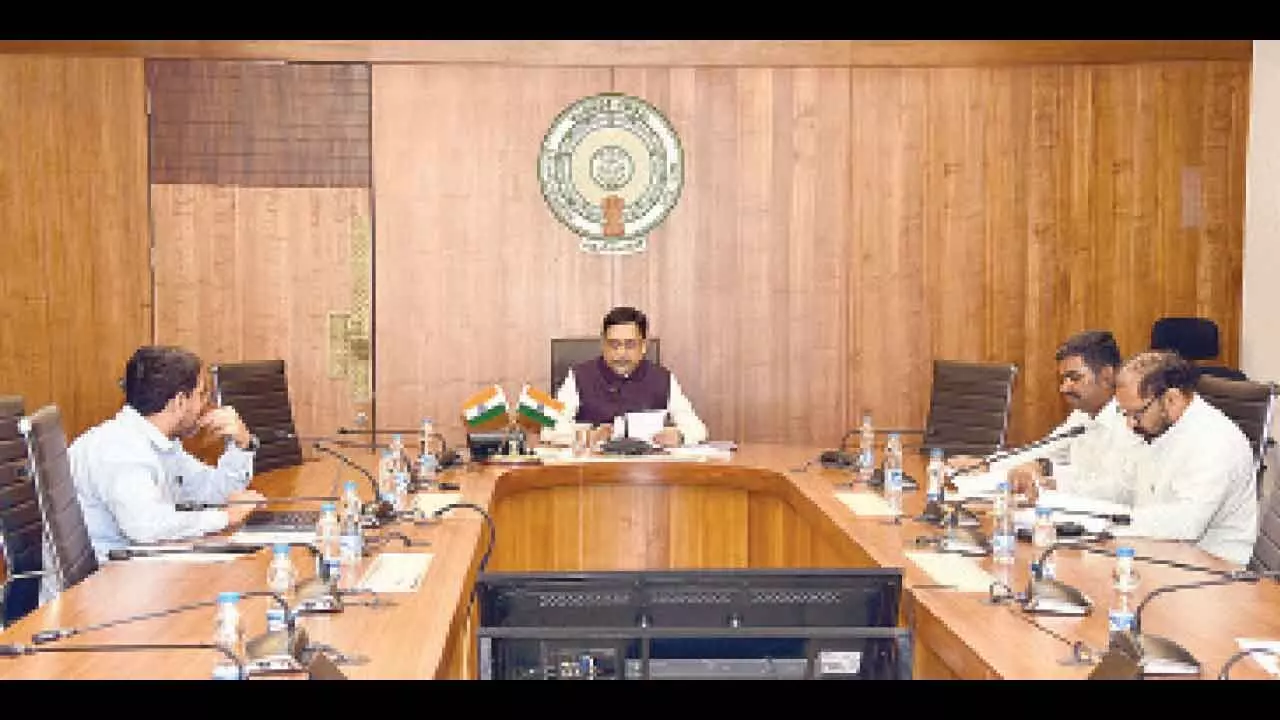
[485,407]
[539,406]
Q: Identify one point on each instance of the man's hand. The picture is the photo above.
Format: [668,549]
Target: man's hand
[237,507]
[601,434]
[668,437]
[226,422]
[1028,479]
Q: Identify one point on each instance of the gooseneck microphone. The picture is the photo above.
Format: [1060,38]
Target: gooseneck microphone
[1070,432]
[285,435]
[380,509]
[488,519]
[18,650]
[45,637]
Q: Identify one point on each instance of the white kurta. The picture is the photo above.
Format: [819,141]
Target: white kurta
[692,429]
[1098,464]
[1197,484]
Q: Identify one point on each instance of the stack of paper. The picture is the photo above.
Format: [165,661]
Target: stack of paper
[1267,660]
[953,571]
[396,572]
[428,503]
[867,504]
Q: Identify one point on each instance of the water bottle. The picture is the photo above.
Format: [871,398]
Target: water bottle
[228,633]
[1044,533]
[387,477]
[866,450]
[1125,581]
[428,468]
[893,473]
[1003,548]
[351,533]
[329,553]
[933,491]
[424,437]
[396,448]
[280,580]
[402,491]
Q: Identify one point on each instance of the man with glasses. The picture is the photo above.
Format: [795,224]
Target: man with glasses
[1197,482]
[1098,463]
[131,470]
[620,381]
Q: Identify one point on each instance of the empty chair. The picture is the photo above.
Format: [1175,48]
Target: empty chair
[968,407]
[567,352]
[20,527]
[259,391]
[1195,339]
[72,557]
[1249,403]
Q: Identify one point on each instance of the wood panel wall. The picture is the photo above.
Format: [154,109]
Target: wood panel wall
[75,282]
[838,229]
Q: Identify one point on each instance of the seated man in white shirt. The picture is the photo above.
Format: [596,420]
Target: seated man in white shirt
[1197,483]
[1098,463]
[131,470]
[622,380]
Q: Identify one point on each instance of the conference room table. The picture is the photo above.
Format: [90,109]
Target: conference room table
[763,506]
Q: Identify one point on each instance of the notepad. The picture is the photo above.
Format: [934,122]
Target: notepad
[396,572]
[428,503]
[956,571]
[1268,662]
[866,504]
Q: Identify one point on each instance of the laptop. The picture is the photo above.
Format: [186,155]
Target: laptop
[266,520]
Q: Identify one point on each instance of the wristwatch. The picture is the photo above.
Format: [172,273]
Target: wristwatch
[254,444]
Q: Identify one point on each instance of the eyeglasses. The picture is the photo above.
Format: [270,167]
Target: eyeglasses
[1135,414]
[630,344]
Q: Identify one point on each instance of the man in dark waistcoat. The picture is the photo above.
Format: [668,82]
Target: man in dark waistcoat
[622,380]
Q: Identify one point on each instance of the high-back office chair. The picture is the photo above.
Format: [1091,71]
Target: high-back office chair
[72,552]
[567,352]
[1266,549]
[259,391]
[20,528]
[969,407]
[1195,339]
[1249,403]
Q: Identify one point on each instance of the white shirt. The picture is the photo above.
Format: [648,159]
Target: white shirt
[128,477]
[1197,484]
[1098,464]
[692,430]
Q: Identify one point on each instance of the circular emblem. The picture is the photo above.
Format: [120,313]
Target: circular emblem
[611,169]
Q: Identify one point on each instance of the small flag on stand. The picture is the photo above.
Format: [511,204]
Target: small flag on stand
[536,409]
[486,409]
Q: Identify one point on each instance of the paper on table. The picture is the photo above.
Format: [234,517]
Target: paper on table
[961,573]
[867,504]
[701,452]
[644,425]
[190,557]
[1268,661]
[428,503]
[396,572]
[264,537]
[976,485]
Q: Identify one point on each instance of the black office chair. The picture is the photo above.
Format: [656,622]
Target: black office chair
[1195,339]
[567,352]
[73,556]
[20,528]
[259,391]
[1249,403]
[968,407]
[1266,549]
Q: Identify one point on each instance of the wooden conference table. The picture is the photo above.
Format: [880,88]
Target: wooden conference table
[758,509]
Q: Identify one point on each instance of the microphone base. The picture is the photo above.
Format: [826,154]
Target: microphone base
[1162,656]
[276,653]
[317,597]
[1053,597]
[966,542]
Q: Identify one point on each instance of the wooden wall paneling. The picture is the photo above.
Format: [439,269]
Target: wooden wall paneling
[76,280]
[474,275]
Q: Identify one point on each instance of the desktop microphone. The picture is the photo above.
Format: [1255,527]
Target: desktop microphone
[986,461]
[343,442]
[380,510]
[488,519]
[19,650]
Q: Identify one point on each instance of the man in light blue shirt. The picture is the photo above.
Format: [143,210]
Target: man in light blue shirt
[131,470]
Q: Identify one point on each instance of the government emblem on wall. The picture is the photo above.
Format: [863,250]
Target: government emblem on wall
[611,169]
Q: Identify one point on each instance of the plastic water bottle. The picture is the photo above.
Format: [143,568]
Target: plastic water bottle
[351,533]
[1003,547]
[427,470]
[402,491]
[1044,533]
[228,633]
[935,470]
[280,580]
[1125,581]
[328,544]
[866,450]
[893,473]
[387,477]
[424,437]
[396,448]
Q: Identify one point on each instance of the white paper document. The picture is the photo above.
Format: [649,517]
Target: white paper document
[866,504]
[1268,661]
[644,425]
[976,485]
[194,558]
[396,572]
[428,503]
[264,537]
[956,572]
